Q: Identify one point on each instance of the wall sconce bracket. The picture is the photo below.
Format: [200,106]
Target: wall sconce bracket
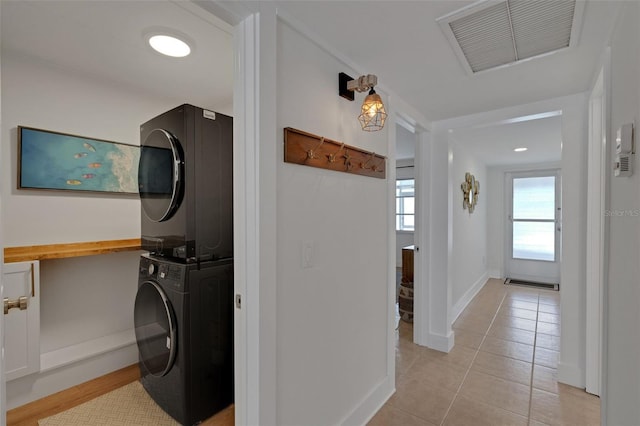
[343,82]
[347,85]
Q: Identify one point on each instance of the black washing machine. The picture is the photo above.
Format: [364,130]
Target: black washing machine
[185,179]
[184,330]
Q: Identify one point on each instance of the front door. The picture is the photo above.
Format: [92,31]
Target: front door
[533,226]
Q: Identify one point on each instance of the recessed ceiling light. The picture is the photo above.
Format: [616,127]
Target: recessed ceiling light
[520,149]
[169,45]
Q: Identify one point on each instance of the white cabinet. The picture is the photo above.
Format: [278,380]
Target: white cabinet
[22,323]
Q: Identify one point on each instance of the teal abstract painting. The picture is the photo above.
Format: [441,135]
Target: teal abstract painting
[52,160]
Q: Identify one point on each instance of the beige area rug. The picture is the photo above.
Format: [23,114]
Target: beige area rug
[129,405]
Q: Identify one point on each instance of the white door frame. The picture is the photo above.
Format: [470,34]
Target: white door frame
[574,127]
[255,213]
[3,387]
[598,159]
[420,240]
[254,176]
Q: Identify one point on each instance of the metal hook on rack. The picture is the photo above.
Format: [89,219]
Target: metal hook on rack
[364,165]
[378,167]
[311,154]
[347,159]
[332,157]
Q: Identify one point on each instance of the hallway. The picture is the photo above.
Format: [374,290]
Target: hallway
[502,370]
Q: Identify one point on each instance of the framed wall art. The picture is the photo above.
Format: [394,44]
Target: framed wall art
[60,161]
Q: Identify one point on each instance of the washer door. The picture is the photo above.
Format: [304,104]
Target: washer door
[160,175]
[155,328]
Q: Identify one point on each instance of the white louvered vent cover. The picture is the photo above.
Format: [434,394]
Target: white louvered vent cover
[490,34]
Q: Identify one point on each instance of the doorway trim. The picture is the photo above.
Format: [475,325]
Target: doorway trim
[418,125]
[420,236]
[255,225]
[597,227]
[3,389]
[574,192]
[254,176]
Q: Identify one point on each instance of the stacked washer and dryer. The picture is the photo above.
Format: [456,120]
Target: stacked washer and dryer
[183,310]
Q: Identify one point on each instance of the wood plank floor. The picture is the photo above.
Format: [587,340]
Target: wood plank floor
[29,414]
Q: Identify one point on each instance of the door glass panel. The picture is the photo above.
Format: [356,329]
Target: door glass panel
[405,188]
[408,205]
[154,330]
[405,205]
[534,198]
[156,172]
[534,240]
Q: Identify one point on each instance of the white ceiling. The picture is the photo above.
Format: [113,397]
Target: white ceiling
[399,41]
[105,40]
[493,144]
[402,44]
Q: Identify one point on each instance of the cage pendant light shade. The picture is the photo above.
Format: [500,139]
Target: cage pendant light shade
[373,113]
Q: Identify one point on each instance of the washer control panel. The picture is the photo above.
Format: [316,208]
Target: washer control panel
[167,273]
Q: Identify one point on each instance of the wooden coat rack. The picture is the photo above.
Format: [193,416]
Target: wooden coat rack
[316,151]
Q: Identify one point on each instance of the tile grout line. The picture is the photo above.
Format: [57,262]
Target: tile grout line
[472,360]
[483,338]
[533,361]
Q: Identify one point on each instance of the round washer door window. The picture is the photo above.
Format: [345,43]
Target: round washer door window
[160,172]
[155,329]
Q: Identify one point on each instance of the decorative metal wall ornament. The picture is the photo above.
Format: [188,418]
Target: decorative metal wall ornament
[470,191]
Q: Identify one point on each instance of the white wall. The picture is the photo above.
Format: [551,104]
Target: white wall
[68,315]
[82,298]
[37,95]
[622,346]
[469,245]
[332,328]
[495,221]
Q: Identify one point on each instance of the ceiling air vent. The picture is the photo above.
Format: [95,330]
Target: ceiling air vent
[491,34]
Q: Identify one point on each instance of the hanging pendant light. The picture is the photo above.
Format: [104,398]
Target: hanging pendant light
[373,113]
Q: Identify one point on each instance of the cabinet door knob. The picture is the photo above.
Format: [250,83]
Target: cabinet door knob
[21,303]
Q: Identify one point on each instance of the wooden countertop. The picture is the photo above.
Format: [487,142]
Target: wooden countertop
[60,251]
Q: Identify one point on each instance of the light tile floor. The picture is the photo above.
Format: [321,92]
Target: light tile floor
[501,371]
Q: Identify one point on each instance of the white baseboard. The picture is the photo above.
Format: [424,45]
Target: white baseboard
[85,362]
[440,342]
[365,411]
[74,353]
[571,374]
[468,296]
[496,273]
